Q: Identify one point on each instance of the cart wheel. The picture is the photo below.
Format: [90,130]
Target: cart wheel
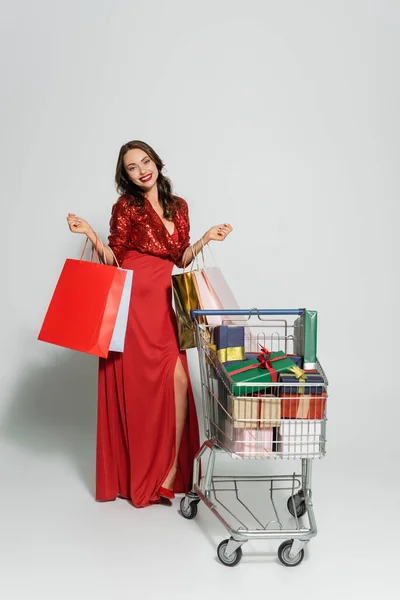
[299,503]
[233,559]
[283,555]
[190,511]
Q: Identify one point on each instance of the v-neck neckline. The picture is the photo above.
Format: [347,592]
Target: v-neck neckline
[161,221]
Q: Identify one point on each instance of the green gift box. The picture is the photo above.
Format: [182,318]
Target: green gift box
[305,338]
[261,370]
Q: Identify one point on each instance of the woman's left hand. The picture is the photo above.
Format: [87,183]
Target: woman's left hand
[217,233]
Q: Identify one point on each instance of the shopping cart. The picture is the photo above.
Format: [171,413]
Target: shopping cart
[253,421]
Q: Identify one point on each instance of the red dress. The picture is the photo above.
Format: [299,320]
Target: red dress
[136,401]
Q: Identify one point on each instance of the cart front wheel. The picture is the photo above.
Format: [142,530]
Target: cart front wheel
[283,555]
[233,559]
[299,505]
[188,511]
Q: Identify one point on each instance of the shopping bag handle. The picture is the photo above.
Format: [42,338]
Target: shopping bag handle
[260,312]
[98,253]
[92,251]
[202,252]
[212,255]
[195,258]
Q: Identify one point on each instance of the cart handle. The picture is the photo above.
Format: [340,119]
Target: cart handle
[248,312]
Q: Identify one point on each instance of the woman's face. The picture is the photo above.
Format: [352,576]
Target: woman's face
[140,168]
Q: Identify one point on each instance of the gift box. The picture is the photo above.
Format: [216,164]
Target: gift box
[256,373]
[303,406]
[213,347]
[269,410]
[297,359]
[229,341]
[305,338]
[253,443]
[245,357]
[244,412]
[300,438]
[300,379]
[211,359]
[254,412]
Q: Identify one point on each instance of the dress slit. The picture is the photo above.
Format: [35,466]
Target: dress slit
[136,427]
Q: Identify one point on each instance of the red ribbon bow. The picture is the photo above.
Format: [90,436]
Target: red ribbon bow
[265,363]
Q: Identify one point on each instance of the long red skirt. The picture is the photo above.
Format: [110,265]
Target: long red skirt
[136,427]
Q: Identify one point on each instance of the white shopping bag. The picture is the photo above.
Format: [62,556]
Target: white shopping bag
[208,299]
[221,288]
[118,337]
[228,301]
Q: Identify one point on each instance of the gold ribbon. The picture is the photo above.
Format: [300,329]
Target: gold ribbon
[235,353]
[209,359]
[304,407]
[299,374]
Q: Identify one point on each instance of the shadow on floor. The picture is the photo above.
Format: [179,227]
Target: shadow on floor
[53,411]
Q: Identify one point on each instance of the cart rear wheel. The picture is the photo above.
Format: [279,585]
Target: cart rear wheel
[299,505]
[233,559]
[283,555]
[189,511]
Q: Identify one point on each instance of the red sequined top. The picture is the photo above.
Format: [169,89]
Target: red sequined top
[134,228]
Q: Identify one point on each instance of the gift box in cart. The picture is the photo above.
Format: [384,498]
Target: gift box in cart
[265,408]
[299,436]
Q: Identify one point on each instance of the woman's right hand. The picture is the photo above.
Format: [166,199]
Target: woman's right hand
[78,225]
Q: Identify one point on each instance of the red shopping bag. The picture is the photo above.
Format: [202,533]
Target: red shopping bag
[84,307]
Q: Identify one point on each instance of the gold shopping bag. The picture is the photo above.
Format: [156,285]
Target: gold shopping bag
[186,299]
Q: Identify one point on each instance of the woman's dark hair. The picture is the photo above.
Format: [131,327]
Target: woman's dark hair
[126,187]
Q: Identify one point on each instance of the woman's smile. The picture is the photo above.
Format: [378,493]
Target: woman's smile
[146,178]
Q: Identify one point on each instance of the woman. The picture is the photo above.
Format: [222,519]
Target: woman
[147,430]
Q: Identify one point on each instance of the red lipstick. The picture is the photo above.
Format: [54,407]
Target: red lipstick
[146,178]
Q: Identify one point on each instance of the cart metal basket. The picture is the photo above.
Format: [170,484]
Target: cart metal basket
[260,421]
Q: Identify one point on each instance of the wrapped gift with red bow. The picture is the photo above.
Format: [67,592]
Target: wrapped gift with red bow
[254,375]
[298,360]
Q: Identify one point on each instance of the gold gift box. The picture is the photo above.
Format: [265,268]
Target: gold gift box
[255,412]
[270,411]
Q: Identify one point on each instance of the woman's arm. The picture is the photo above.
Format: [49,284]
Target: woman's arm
[120,229]
[191,252]
[79,225]
[104,251]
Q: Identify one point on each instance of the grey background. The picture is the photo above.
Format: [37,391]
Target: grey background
[278,117]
